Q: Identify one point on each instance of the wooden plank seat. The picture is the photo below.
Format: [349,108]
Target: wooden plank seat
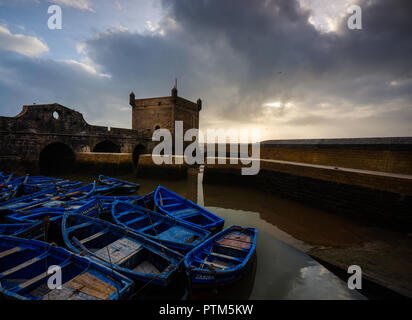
[220,255]
[214,264]
[172,205]
[9,252]
[92,237]
[20,266]
[73,207]
[124,213]
[79,226]
[150,226]
[194,214]
[167,198]
[31,281]
[134,220]
[183,212]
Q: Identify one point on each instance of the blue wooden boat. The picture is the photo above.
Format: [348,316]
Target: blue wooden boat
[9,193]
[113,184]
[50,216]
[64,184]
[6,179]
[109,200]
[28,230]
[223,258]
[170,232]
[129,253]
[50,199]
[24,266]
[172,204]
[92,208]
[29,199]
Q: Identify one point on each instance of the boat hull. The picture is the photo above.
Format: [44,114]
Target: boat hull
[222,259]
[174,205]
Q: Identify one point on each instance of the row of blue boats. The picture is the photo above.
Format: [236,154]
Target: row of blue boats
[105,244]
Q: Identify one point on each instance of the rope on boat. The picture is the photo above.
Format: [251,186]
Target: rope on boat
[147,212]
[111,267]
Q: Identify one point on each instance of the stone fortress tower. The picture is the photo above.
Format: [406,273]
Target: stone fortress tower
[149,114]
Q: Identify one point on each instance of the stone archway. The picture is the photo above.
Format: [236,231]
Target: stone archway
[106,146]
[56,157]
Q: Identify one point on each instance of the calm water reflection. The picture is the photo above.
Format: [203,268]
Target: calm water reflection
[279,271]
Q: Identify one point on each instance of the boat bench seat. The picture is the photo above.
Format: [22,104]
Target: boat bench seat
[33,280]
[150,226]
[167,198]
[172,205]
[134,220]
[79,226]
[215,264]
[38,278]
[219,255]
[20,266]
[123,213]
[92,237]
[183,212]
[9,251]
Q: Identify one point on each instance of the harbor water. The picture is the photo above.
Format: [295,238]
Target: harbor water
[281,268]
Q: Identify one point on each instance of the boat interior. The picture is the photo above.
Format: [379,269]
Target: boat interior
[180,210]
[223,253]
[23,271]
[153,225]
[116,248]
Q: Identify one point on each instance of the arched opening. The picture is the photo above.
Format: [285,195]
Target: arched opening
[106,146]
[56,157]
[138,150]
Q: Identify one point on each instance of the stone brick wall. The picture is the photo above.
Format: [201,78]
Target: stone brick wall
[149,113]
[376,154]
[26,134]
[371,206]
[162,112]
[93,162]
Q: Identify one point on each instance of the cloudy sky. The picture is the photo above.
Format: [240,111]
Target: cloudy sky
[291,68]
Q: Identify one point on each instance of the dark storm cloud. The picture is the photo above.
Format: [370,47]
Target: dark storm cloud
[140,61]
[239,55]
[275,36]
